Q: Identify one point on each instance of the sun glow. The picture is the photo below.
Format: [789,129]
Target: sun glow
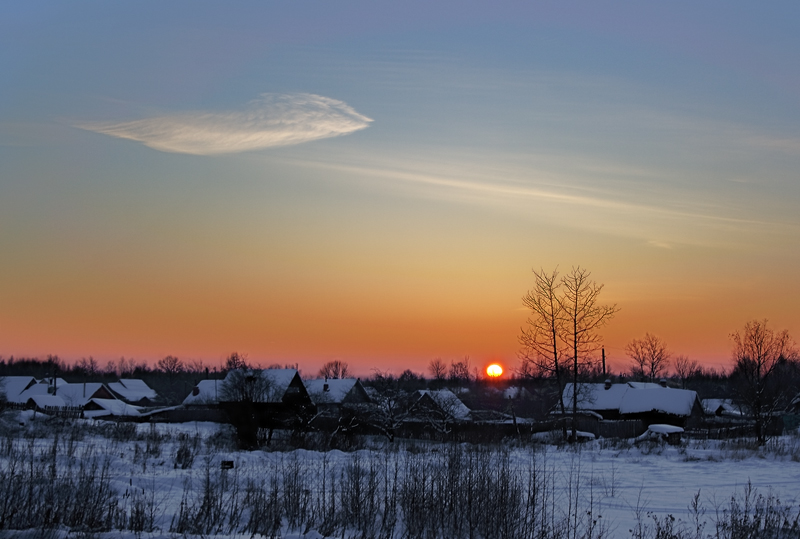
[494,370]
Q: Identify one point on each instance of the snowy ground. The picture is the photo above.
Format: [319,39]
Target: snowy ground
[622,481]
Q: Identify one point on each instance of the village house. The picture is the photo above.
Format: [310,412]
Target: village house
[205,394]
[722,408]
[440,403]
[134,391]
[12,386]
[329,396]
[648,402]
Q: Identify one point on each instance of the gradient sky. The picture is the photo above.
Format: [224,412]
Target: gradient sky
[374,181]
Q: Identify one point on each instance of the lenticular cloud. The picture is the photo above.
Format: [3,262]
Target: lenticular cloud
[269,121]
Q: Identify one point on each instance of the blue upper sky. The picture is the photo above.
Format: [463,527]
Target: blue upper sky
[198,159]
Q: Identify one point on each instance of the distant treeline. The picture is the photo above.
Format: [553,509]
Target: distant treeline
[173,378]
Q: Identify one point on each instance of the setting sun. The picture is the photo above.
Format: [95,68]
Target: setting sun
[494,370]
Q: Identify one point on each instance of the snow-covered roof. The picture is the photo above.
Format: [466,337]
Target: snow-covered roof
[632,398]
[659,432]
[448,402]
[661,428]
[133,389]
[211,391]
[43,401]
[12,386]
[107,407]
[278,381]
[204,393]
[73,394]
[643,385]
[723,406]
[660,399]
[596,397]
[336,392]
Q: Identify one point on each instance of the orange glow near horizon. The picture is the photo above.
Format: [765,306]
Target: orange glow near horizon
[494,371]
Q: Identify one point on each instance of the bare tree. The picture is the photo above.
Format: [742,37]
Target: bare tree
[245,386]
[170,365]
[583,318]
[236,361]
[650,356]
[389,409]
[759,352]
[90,367]
[439,409]
[335,369]
[542,340]
[438,369]
[459,370]
[195,366]
[685,368]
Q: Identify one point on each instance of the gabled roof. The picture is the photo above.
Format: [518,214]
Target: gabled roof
[721,407]
[596,397]
[663,399]
[447,401]
[109,407]
[43,401]
[12,386]
[633,398]
[278,382]
[337,390]
[133,390]
[204,393]
[72,394]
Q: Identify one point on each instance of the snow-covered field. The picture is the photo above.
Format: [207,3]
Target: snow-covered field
[166,480]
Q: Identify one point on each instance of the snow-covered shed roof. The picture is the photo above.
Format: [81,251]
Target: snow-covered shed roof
[448,402]
[109,407]
[633,398]
[204,393]
[133,390]
[12,386]
[336,392]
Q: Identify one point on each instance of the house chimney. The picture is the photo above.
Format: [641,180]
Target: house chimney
[325,386]
[608,384]
[663,382]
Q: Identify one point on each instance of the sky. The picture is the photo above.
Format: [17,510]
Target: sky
[374,182]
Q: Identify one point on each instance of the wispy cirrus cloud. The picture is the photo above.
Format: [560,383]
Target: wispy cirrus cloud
[269,121]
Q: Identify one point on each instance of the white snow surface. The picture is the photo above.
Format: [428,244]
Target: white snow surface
[620,478]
